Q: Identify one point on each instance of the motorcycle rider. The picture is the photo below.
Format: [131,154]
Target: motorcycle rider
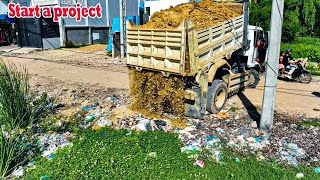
[289,63]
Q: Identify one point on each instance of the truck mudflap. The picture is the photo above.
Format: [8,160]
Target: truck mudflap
[196,100]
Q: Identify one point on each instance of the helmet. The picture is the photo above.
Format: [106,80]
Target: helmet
[288,50]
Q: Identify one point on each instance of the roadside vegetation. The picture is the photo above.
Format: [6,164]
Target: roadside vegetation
[18,109]
[119,154]
[306,47]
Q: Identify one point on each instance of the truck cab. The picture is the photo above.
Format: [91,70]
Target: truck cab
[255,53]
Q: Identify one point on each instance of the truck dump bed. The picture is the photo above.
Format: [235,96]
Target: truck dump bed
[185,50]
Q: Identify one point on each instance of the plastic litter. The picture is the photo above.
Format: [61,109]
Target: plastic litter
[90,118]
[199,163]
[44,177]
[317,170]
[86,108]
[18,172]
[143,125]
[113,99]
[299,176]
[51,156]
[220,130]
[217,155]
[191,149]
[237,160]
[101,123]
[152,154]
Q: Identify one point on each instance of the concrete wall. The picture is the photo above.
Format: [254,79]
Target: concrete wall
[100,35]
[132,9]
[51,43]
[78,36]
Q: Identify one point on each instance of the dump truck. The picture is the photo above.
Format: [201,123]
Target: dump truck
[216,61]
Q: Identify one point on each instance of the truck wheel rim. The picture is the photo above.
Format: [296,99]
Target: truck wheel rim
[220,98]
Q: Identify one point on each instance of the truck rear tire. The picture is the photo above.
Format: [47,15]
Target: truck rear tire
[254,78]
[217,96]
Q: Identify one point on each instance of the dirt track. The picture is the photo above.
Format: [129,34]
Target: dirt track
[89,66]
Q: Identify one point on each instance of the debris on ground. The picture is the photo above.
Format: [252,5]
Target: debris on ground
[289,143]
[199,163]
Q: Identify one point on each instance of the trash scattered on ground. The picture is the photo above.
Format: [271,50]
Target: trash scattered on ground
[199,163]
[223,115]
[299,175]
[18,172]
[152,154]
[289,142]
[90,118]
[44,177]
[86,108]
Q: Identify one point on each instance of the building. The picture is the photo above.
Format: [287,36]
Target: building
[44,33]
[7,35]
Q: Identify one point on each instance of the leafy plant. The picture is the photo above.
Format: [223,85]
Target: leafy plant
[11,152]
[15,101]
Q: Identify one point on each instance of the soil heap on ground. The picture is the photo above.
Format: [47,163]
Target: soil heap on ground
[203,14]
[154,95]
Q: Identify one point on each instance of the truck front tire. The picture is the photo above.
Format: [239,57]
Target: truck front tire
[217,96]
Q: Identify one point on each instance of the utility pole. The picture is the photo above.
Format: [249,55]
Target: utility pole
[270,86]
[122,7]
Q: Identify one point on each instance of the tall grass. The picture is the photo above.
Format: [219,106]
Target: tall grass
[18,109]
[15,97]
[11,152]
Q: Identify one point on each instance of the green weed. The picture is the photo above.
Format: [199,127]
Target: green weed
[312,122]
[115,154]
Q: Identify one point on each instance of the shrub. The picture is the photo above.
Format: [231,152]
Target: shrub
[305,48]
[15,107]
[18,107]
[70,44]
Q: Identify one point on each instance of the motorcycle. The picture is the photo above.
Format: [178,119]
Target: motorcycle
[299,75]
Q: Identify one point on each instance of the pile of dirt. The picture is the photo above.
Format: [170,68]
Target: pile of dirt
[154,95]
[203,14]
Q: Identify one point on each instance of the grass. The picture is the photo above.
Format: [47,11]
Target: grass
[11,153]
[115,154]
[312,122]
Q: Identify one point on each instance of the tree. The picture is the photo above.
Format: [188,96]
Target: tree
[308,14]
[261,13]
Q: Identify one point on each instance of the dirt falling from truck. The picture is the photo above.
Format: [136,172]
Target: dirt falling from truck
[203,14]
[154,95]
